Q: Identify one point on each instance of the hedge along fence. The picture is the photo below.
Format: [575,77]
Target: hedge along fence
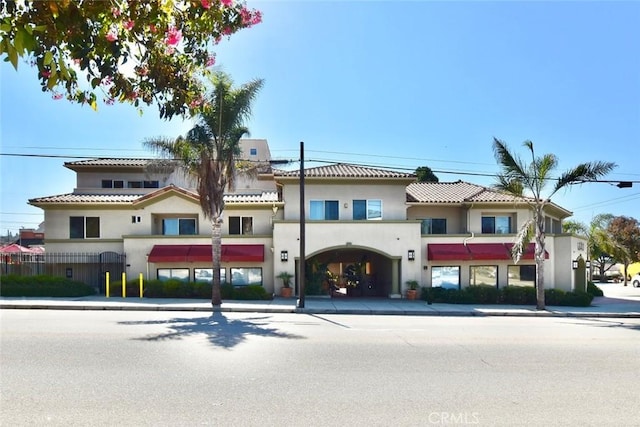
[43,286]
[508,295]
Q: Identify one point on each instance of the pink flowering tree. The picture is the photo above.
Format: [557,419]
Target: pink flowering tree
[138,52]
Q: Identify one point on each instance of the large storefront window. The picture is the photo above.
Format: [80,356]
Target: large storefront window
[181,274]
[522,275]
[446,277]
[483,275]
[206,275]
[246,276]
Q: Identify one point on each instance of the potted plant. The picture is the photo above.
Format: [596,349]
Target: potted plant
[412,292]
[286,290]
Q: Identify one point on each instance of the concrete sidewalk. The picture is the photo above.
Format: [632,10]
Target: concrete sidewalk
[600,307]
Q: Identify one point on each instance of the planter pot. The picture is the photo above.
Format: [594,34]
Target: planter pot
[412,294]
[286,292]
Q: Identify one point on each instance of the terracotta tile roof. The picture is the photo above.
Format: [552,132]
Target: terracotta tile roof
[343,170]
[71,198]
[108,162]
[456,192]
[86,198]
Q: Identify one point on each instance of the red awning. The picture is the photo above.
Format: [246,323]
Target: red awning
[529,252]
[476,252]
[169,253]
[202,253]
[488,251]
[234,253]
[448,252]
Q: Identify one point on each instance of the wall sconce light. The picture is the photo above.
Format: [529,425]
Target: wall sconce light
[587,264]
[574,264]
[284,256]
[411,255]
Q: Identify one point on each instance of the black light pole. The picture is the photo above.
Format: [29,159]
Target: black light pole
[301,266]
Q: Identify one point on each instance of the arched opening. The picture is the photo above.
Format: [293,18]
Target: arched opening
[349,271]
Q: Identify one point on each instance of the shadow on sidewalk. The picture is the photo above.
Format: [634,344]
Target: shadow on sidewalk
[216,328]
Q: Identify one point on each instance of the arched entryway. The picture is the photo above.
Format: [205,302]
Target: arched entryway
[580,275]
[350,271]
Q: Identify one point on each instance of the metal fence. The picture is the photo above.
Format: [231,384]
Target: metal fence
[89,268]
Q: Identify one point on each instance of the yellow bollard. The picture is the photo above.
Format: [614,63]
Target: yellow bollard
[124,284]
[140,285]
[107,280]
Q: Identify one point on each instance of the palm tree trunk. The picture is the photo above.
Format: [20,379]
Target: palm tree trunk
[539,257]
[216,255]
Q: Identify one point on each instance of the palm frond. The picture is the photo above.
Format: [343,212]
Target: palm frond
[583,173]
[522,239]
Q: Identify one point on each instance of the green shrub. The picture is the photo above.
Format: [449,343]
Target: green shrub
[251,292]
[42,286]
[483,294]
[594,290]
[523,295]
[132,288]
[575,299]
[553,296]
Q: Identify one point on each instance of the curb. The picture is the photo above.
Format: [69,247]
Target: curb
[286,310]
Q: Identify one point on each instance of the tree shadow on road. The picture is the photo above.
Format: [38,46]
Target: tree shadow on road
[217,329]
[609,323]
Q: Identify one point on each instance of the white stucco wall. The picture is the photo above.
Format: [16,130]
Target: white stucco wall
[392,195]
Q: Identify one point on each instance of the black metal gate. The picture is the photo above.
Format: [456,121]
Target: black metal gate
[115,264]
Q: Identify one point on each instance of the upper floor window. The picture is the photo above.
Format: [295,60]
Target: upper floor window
[324,209]
[112,183]
[433,226]
[143,184]
[367,209]
[240,225]
[253,151]
[178,226]
[496,225]
[84,227]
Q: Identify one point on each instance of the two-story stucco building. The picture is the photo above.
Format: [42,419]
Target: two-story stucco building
[393,228]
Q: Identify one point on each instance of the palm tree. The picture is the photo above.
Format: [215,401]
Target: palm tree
[518,178]
[209,152]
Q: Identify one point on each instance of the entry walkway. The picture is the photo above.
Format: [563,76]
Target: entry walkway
[623,303]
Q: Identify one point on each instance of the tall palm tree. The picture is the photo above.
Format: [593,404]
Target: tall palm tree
[209,152]
[520,178]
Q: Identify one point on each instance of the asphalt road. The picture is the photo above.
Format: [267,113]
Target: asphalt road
[186,369]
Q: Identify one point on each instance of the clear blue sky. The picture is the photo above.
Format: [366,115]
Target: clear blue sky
[402,84]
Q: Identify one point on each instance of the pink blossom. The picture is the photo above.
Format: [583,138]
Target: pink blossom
[226,2]
[76,61]
[211,61]
[217,40]
[115,11]
[128,25]
[110,101]
[112,35]
[227,31]
[142,71]
[153,28]
[250,18]
[173,36]
[195,103]
[205,4]
[57,96]
[107,80]
[45,73]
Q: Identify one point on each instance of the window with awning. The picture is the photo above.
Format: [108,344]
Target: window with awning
[202,253]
